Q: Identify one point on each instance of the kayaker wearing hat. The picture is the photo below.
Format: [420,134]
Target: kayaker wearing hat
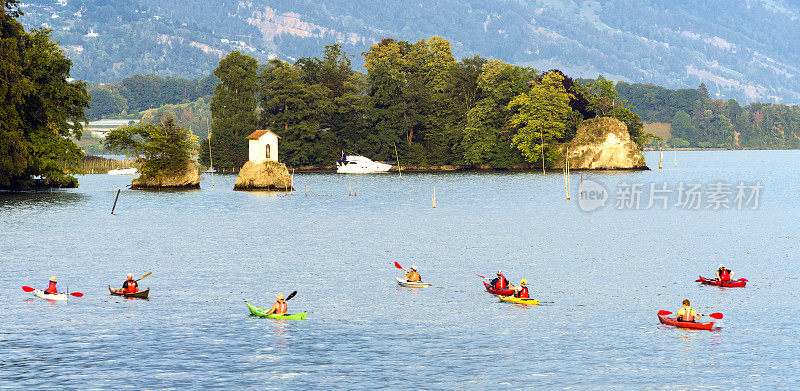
[500,282]
[279,307]
[724,274]
[687,314]
[413,275]
[130,285]
[522,290]
[51,287]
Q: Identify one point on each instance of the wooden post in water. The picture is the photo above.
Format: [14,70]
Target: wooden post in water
[566,174]
[675,154]
[660,156]
[210,159]
[291,187]
[306,190]
[115,202]
[397,157]
[434,197]
[349,189]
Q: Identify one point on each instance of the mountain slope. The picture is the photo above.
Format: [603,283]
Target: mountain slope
[744,49]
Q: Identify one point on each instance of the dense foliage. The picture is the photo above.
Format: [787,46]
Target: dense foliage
[163,149]
[698,121]
[138,93]
[39,109]
[415,101]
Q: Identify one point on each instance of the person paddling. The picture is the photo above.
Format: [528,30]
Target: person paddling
[51,287]
[500,282]
[522,290]
[687,313]
[724,274]
[130,285]
[279,307]
[413,275]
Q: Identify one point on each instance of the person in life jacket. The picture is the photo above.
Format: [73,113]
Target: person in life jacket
[279,307]
[51,287]
[130,285]
[724,274]
[687,314]
[500,282]
[522,290]
[413,275]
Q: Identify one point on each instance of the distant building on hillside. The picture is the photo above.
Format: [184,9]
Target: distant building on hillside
[102,127]
[263,146]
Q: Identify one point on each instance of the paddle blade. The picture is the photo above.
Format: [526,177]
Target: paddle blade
[145,276]
[397,265]
[716,315]
[76,294]
[290,295]
[480,276]
[28,289]
[662,312]
[698,280]
[744,280]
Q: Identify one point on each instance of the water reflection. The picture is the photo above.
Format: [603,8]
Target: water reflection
[40,199]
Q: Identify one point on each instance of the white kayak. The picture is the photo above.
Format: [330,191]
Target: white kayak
[57,297]
[410,284]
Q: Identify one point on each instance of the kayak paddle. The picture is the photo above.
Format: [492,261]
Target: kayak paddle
[480,276]
[744,280]
[29,289]
[290,296]
[145,276]
[715,315]
[397,265]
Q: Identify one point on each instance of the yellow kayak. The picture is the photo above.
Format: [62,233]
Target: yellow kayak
[512,299]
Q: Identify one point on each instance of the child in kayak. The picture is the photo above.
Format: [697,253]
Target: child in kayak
[687,313]
[724,274]
[51,287]
[279,307]
[522,290]
[413,275]
[500,282]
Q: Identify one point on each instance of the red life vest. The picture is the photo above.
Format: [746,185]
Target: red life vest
[132,287]
[725,275]
[51,289]
[523,293]
[281,307]
[501,282]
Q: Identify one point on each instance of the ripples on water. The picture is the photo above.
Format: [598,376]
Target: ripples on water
[602,275]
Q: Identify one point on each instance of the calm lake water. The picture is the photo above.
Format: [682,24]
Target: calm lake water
[601,276]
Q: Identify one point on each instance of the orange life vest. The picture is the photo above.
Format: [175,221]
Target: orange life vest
[725,275]
[281,307]
[523,293]
[501,282]
[51,289]
[687,315]
[132,287]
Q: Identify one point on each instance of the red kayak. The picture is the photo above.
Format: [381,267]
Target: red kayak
[503,292]
[740,283]
[687,325]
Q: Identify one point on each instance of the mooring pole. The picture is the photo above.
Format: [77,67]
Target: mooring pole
[115,202]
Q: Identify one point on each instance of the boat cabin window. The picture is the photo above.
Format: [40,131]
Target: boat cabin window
[267,151]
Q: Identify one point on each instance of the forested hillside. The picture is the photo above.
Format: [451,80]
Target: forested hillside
[743,49]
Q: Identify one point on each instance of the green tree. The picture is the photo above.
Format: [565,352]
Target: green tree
[105,102]
[40,109]
[682,126]
[602,96]
[233,111]
[163,149]
[487,139]
[541,117]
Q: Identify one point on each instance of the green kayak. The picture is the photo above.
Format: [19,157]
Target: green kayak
[261,311]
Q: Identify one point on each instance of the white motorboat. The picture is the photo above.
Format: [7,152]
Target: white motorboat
[123,171]
[360,165]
